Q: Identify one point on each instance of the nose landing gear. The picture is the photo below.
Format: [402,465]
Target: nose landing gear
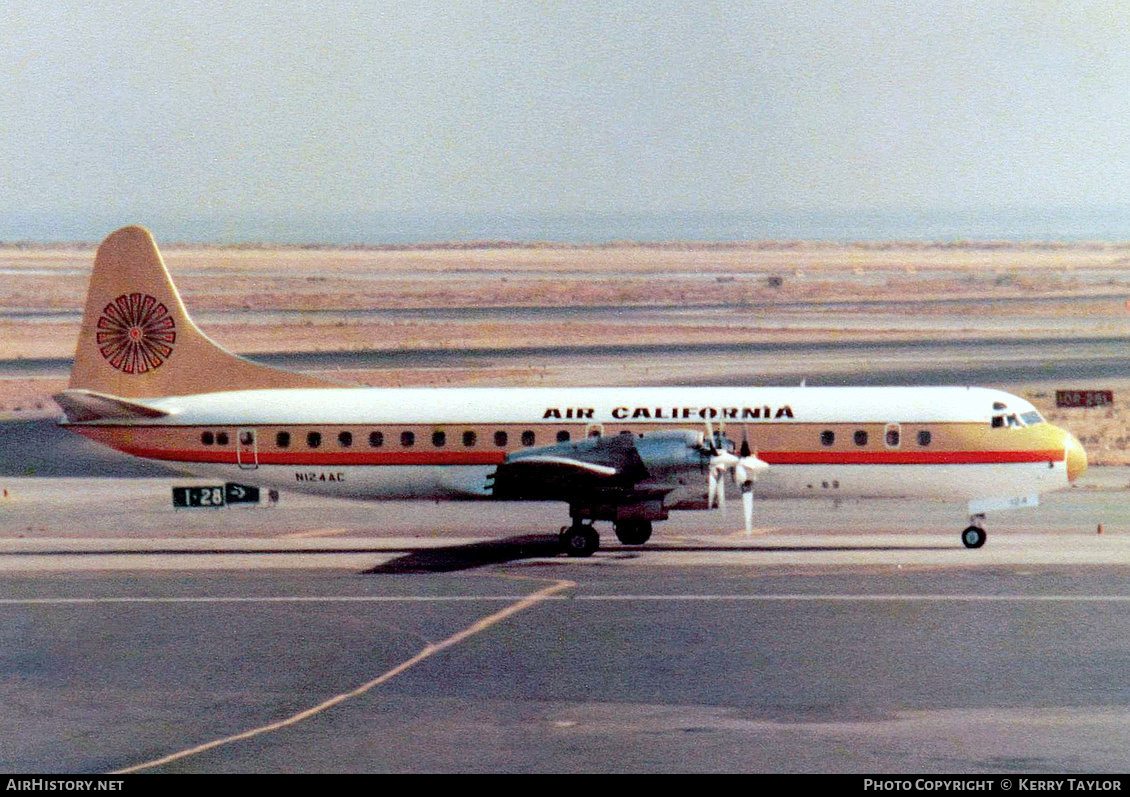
[974,535]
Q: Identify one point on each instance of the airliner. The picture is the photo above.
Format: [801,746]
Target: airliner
[146,381]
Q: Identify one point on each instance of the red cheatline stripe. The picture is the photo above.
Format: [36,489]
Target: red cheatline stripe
[330,458]
[908,457]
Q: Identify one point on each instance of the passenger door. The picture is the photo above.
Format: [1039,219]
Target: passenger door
[247,449]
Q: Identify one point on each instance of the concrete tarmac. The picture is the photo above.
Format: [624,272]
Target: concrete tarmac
[858,638]
[702,668]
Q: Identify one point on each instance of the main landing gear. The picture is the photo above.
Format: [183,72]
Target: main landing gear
[633,532]
[974,535]
[581,539]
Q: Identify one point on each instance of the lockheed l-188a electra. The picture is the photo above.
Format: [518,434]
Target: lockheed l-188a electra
[148,382]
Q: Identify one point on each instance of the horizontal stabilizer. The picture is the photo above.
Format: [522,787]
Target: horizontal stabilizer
[86,405]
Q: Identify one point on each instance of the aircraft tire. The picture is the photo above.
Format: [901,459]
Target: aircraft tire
[973,537]
[633,532]
[580,540]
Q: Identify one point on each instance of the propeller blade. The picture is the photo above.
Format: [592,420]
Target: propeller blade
[708,440]
[747,506]
[716,490]
[751,467]
[721,460]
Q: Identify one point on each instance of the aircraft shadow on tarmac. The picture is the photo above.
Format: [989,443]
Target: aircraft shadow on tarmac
[478,554]
[542,546]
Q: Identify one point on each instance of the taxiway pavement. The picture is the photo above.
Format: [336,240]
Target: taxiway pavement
[327,636]
[704,668]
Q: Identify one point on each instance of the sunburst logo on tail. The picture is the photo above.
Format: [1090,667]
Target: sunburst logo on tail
[136,333]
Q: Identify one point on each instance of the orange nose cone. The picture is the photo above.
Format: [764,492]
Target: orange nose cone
[1076,458]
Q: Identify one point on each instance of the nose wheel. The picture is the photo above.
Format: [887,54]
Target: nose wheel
[974,535]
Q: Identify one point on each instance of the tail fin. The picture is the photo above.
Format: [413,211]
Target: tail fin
[137,340]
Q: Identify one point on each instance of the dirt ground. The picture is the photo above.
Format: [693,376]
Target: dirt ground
[530,298]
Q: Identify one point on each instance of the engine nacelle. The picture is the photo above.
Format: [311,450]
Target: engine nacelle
[678,458]
[621,471]
[664,453]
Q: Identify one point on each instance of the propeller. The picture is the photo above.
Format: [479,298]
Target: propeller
[746,470]
[746,467]
[720,461]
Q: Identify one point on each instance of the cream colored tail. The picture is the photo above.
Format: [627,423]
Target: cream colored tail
[137,340]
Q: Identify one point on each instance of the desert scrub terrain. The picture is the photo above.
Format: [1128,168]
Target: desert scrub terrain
[534,298]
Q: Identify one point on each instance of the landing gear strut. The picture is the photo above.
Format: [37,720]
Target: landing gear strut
[974,535]
[633,532]
[580,539]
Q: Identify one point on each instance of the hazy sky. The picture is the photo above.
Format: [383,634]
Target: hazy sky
[128,111]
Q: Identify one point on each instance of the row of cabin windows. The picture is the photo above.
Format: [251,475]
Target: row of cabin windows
[502,439]
[892,437]
[377,439]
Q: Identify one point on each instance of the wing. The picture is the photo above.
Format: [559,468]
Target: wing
[619,469]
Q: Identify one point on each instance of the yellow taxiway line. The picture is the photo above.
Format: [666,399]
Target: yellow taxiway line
[427,652]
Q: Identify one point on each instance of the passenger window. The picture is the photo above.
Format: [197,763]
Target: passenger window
[500,439]
[207,438]
[892,436]
[407,439]
[345,439]
[313,439]
[282,439]
[376,439]
[827,437]
[222,439]
[246,437]
[562,436]
[860,437]
[924,438]
[439,439]
[528,438]
[469,439]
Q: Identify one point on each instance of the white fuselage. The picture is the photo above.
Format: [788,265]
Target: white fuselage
[928,442]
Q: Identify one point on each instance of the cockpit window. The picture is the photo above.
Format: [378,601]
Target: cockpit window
[1011,420]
